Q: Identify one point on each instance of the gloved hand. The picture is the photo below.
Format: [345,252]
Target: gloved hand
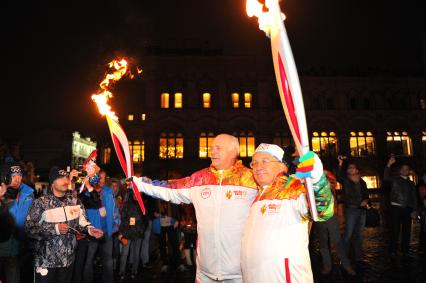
[310,166]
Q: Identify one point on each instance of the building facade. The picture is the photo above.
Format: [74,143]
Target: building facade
[181,101]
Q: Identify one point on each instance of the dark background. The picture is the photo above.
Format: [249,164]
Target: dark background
[54,52]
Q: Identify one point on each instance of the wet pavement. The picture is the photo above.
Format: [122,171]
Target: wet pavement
[377,266]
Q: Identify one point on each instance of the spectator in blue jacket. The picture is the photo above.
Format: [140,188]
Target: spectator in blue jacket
[103,215]
[17,199]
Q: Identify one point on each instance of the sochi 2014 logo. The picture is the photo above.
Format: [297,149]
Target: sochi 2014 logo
[205,193]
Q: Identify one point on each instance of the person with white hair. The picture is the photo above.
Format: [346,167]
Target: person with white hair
[222,195]
[275,241]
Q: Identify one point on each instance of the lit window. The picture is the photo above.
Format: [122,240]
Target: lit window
[130,117]
[165,100]
[235,100]
[247,143]
[106,155]
[283,139]
[371,181]
[143,117]
[324,144]
[399,143]
[171,145]
[424,143]
[178,100]
[362,144]
[247,100]
[207,100]
[137,151]
[206,141]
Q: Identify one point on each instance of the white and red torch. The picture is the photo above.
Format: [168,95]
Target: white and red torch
[119,138]
[272,23]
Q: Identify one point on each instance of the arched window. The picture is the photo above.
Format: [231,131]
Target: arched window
[165,98]
[399,143]
[247,143]
[324,143]
[248,100]
[362,144]
[205,141]
[207,100]
[171,145]
[235,100]
[137,151]
[178,100]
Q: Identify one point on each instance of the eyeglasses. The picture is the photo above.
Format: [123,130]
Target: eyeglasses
[262,162]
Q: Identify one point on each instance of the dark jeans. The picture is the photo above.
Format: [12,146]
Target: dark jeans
[105,246]
[55,275]
[80,258]
[9,270]
[329,230]
[134,246]
[145,243]
[401,218]
[169,237]
[355,223]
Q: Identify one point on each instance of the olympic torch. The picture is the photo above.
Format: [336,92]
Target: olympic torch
[272,23]
[118,136]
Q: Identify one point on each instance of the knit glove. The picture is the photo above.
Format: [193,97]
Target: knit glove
[310,166]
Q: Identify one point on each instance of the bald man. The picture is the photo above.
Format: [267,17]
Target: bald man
[222,195]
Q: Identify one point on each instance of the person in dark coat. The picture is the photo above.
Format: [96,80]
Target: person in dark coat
[131,233]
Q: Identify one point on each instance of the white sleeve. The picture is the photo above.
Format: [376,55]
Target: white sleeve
[182,195]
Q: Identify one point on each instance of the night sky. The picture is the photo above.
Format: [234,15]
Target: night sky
[54,52]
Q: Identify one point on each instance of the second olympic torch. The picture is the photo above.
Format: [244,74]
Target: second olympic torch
[272,23]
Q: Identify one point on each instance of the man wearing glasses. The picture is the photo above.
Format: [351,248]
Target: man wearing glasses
[275,239]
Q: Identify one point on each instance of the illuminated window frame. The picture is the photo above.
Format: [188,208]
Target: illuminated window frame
[235,98]
[178,100]
[171,146]
[130,117]
[399,143]
[325,144]
[106,155]
[248,100]
[362,144]
[165,100]
[205,142]
[371,181]
[137,151]
[207,100]
[247,143]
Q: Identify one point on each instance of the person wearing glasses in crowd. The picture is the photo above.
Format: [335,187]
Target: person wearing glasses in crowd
[275,241]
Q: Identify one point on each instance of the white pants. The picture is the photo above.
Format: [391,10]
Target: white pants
[201,278]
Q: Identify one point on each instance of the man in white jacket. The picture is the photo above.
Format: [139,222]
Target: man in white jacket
[222,195]
[275,240]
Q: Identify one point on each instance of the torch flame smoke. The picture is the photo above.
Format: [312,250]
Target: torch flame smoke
[120,69]
[254,8]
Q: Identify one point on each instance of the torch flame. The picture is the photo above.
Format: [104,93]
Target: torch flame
[254,8]
[101,99]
